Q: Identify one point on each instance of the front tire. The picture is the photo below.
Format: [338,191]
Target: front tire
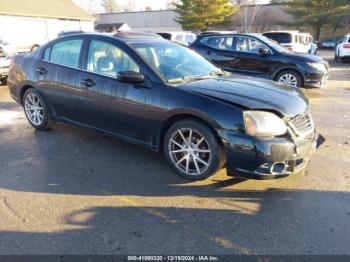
[289,77]
[36,110]
[192,150]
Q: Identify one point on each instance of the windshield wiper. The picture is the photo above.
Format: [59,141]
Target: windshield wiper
[187,79]
[220,73]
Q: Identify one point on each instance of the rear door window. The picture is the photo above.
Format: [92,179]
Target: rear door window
[179,38]
[218,42]
[46,55]
[66,53]
[247,44]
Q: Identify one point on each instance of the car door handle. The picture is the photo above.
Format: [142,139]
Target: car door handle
[41,70]
[88,82]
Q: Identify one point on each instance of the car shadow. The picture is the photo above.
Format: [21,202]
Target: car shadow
[278,222]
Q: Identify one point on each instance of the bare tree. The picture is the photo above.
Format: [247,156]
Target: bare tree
[111,6]
[130,6]
[250,9]
[90,6]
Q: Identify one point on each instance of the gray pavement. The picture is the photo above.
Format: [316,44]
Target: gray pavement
[74,191]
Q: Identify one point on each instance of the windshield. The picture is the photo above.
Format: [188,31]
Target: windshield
[175,62]
[272,44]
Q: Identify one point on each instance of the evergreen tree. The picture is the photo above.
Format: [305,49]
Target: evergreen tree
[315,13]
[200,15]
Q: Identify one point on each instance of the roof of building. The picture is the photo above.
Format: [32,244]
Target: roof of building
[65,9]
[108,26]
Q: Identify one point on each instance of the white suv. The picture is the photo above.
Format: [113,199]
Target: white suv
[342,50]
[292,40]
[6,52]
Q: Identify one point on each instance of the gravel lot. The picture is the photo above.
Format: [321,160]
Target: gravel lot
[74,191]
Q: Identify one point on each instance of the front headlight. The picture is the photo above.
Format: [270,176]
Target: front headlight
[318,66]
[263,124]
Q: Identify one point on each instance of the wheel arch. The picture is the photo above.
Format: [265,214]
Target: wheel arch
[169,121]
[279,71]
[23,90]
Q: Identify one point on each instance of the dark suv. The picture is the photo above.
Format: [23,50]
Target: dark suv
[257,55]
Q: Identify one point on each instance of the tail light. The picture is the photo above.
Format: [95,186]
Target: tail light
[346,45]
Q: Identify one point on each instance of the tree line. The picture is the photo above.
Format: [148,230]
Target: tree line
[202,15]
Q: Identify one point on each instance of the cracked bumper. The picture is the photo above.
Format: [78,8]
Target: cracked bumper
[266,158]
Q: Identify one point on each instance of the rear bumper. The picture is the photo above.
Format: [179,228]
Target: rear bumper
[266,159]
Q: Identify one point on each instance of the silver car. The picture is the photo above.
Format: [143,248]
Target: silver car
[6,52]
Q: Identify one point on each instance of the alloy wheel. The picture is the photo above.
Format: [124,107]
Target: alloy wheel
[34,109]
[189,151]
[288,79]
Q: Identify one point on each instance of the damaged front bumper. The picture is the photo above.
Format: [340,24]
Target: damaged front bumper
[266,158]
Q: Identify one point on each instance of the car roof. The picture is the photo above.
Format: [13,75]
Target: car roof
[229,34]
[123,36]
[284,31]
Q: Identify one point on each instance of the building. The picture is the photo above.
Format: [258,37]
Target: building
[27,24]
[253,18]
[146,21]
[112,27]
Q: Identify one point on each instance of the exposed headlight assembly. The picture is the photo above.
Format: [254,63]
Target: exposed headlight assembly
[263,124]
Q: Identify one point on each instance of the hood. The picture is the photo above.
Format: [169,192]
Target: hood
[306,57]
[252,93]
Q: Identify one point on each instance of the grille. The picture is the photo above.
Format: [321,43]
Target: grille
[302,124]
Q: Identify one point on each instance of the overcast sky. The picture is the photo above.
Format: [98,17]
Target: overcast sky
[139,5]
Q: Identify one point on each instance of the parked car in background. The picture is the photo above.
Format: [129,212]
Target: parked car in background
[184,38]
[165,96]
[217,32]
[6,52]
[259,56]
[312,45]
[329,43]
[342,50]
[291,40]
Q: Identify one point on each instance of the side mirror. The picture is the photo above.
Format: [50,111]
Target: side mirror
[130,77]
[263,51]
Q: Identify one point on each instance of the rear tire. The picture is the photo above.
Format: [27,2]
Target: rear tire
[289,77]
[36,110]
[338,58]
[192,149]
